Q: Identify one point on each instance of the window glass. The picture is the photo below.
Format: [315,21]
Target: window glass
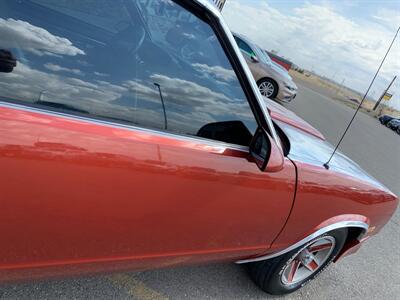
[149,63]
[262,56]
[244,46]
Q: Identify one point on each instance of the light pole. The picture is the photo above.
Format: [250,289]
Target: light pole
[341,86]
[384,93]
[163,105]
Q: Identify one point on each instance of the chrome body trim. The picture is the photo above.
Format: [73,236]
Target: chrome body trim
[210,7]
[193,139]
[343,224]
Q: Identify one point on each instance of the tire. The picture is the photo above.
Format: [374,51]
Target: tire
[268,88]
[274,276]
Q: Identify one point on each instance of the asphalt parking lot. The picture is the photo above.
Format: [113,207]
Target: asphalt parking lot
[372,273]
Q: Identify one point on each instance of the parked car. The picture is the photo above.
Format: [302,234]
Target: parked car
[394,124]
[272,80]
[385,119]
[133,136]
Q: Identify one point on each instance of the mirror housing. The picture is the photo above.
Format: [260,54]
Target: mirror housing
[254,58]
[265,152]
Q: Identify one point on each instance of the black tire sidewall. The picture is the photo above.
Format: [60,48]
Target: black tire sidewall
[275,285]
[275,93]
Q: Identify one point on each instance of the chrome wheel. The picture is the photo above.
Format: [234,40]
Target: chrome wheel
[266,88]
[308,260]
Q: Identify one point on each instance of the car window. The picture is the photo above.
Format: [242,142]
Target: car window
[267,56]
[262,56]
[149,63]
[244,46]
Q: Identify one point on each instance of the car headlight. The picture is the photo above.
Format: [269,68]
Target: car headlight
[290,87]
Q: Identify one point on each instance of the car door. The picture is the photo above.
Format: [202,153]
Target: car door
[124,135]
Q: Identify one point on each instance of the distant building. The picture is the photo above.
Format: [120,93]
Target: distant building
[287,64]
[219,4]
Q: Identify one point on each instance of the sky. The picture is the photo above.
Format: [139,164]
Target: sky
[343,40]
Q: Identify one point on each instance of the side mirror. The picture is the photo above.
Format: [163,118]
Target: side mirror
[265,152]
[254,58]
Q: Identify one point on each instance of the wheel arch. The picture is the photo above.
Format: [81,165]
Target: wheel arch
[358,226]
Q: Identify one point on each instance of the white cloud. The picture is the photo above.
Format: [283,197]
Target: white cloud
[23,35]
[147,92]
[318,37]
[101,74]
[57,68]
[180,91]
[216,71]
[388,17]
[27,83]
[102,97]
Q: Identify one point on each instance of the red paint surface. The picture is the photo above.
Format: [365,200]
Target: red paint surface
[348,249]
[325,197]
[276,159]
[98,197]
[78,197]
[280,113]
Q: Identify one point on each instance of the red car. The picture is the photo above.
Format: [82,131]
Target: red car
[132,136]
